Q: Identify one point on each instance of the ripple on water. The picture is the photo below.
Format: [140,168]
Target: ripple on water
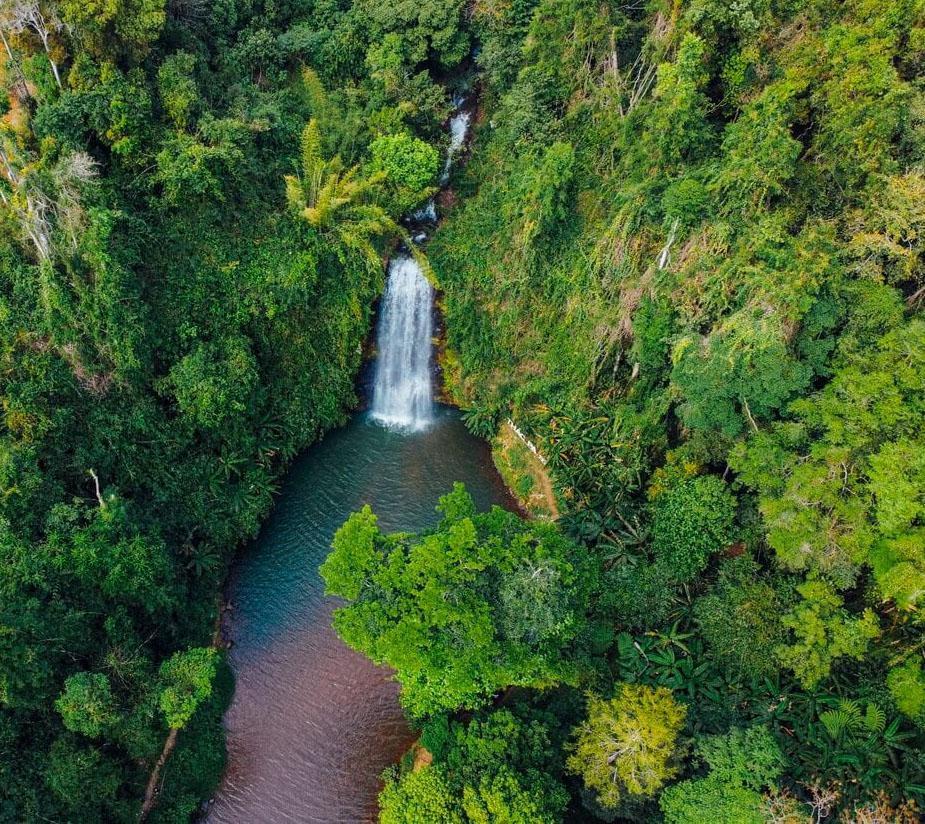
[312,723]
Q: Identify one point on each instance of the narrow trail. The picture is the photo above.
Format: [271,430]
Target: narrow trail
[508,436]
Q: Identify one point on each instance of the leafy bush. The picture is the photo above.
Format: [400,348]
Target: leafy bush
[689,523]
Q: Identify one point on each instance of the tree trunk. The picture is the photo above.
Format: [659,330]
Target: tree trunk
[153,789]
[54,68]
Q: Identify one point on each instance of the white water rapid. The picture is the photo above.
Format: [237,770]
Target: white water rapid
[402,390]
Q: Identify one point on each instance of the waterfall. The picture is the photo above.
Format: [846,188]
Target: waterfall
[459,127]
[402,387]
[402,391]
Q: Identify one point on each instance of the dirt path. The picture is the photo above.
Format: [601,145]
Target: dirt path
[542,489]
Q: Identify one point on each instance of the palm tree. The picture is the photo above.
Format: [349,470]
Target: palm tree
[338,201]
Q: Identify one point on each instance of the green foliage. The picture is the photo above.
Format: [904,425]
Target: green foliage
[820,473]
[482,602]
[213,383]
[178,91]
[741,764]
[87,704]
[488,771]
[173,336]
[338,201]
[740,374]
[711,799]
[906,684]
[628,744]
[749,757]
[847,720]
[678,126]
[543,202]
[83,780]
[732,286]
[407,162]
[428,29]
[688,243]
[823,632]
[690,522]
[741,620]
[419,796]
[113,28]
[187,678]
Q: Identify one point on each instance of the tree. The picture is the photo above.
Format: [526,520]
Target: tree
[333,200]
[503,799]
[116,28]
[178,90]
[428,28]
[741,620]
[841,481]
[30,15]
[679,126]
[213,383]
[711,799]
[741,764]
[737,376]
[497,769]
[906,684]
[542,204]
[201,165]
[824,632]
[420,795]
[87,705]
[439,608]
[187,677]
[629,744]
[410,168]
[690,522]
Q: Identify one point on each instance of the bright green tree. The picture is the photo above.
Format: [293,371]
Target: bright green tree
[823,632]
[409,165]
[421,795]
[187,678]
[87,705]
[497,769]
[741,764]
[437,607]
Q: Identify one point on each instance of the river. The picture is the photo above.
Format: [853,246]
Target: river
[313,724]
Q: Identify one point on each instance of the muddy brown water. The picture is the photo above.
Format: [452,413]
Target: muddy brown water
[312,723]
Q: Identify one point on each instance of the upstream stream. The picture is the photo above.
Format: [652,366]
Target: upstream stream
[313,724]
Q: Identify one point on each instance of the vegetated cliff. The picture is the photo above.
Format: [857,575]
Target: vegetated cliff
[186,274]
[687,261]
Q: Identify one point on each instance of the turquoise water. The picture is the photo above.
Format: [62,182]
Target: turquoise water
[313,724]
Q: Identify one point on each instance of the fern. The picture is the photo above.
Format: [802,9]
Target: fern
[843,720]
[874,719]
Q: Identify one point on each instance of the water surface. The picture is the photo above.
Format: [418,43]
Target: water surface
[312,723]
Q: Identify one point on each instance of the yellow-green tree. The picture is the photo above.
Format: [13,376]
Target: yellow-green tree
[627,744]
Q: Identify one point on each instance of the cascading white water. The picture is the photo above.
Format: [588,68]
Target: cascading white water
[459,127]
[402,390]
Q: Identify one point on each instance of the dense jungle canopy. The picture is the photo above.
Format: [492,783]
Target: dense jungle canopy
[684,255]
